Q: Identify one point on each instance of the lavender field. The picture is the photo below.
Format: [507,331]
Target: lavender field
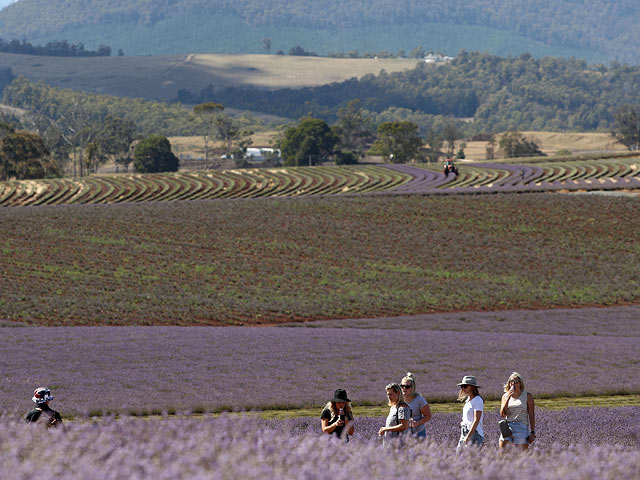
[182,369]
[610,321]
[606,447]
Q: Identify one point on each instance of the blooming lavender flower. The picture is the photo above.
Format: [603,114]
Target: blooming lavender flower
[225,447]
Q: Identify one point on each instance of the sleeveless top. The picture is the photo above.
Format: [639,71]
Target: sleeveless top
[517,409]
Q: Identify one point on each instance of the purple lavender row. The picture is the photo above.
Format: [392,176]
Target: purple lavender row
[423,179]
[609,321]
[522,178]
[599,426]
[251,449]
[144,369]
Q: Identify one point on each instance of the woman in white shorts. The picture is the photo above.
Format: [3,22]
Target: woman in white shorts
[518,409]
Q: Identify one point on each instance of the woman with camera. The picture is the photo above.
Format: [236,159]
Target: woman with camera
[471,431]
[397,422]
[518,408]
[337,416]
[419,407]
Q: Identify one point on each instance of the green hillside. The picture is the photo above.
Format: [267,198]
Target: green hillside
[567,28]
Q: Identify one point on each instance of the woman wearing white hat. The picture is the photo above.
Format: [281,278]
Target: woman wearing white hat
[471,431]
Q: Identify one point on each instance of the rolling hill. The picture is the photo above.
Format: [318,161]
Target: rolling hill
[160,77]
[594,30]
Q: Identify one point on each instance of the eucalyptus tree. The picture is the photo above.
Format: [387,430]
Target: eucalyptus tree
[309,143]
[399,142]
[353,129]
[209,114]
[23,155]
[627,126]
[115,140]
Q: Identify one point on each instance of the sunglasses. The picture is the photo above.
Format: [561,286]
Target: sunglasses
[404,387]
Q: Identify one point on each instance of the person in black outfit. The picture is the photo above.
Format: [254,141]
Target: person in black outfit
[42,413]
[337,416]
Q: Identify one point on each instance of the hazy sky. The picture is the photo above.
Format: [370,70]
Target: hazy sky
[4,3]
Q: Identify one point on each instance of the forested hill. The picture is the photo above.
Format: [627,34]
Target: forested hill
[497,93]
[595,30]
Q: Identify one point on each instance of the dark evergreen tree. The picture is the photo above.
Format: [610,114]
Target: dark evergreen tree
[310,143]
[153,154]
[627,126]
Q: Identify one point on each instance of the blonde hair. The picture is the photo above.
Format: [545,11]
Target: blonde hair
[409,377]
[396,388]
[334,411]
[513,376]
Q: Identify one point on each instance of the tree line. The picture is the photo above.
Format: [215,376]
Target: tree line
[63,126]
[609,28]
[80,131]
[56,48]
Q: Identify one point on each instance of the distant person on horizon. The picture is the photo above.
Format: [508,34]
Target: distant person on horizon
[471,431]
[419,407]
[337,416]
[42,413]
[397,422]
[518,408]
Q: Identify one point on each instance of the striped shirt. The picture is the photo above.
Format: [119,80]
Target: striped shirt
[517,409]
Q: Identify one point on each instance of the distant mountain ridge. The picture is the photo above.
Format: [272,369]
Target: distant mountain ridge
[595,30]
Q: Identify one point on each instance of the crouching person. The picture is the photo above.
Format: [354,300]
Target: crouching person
[42,412]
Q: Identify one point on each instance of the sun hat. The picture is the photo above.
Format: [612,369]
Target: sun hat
[340,395]
[469,380]
[41,395]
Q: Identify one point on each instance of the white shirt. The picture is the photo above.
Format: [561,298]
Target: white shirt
[470,406]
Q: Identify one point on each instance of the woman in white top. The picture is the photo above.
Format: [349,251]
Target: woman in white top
[519,409]
[471,431]
[420,409]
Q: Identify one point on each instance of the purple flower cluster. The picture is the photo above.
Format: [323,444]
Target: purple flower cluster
[217,448]
[155,369]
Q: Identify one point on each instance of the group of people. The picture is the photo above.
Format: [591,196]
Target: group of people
[409,412]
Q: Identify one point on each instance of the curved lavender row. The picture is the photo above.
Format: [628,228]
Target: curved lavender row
[249,449]
[423,179]
[521,179]
[519,174]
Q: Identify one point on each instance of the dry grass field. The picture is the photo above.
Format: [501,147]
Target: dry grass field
[549,142]
[553,142]
[160,77]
